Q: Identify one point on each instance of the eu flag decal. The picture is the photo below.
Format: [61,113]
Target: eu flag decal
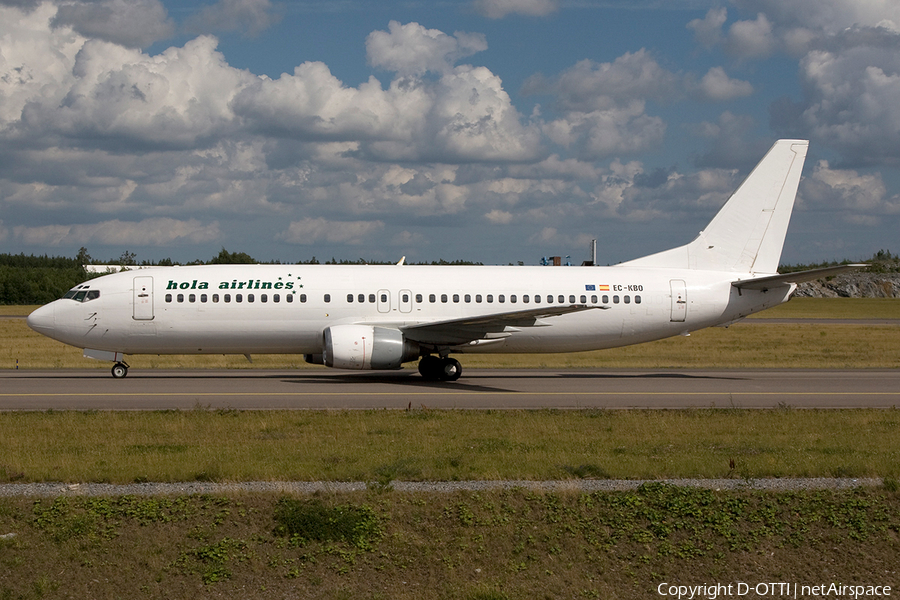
[590,287]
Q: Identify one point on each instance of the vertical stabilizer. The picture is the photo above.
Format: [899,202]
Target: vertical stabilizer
[747,235]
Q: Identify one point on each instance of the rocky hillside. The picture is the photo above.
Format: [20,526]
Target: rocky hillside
[853,285]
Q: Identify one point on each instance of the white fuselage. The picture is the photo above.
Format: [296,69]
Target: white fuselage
[256,309]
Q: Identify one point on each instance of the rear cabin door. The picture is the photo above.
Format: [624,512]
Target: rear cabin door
[679,300]
[143,298]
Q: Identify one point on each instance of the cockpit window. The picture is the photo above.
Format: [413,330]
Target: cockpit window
[82,294]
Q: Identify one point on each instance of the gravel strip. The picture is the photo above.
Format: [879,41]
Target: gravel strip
[308,487]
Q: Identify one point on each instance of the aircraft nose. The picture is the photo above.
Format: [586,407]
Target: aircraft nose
[43,320]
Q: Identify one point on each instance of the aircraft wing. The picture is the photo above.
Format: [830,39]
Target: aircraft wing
[486,327]
[772,281]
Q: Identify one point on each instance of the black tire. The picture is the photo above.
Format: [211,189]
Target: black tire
[119,371]
[430,367]
[450,369]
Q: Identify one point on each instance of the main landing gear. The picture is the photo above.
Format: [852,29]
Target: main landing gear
[119,370]
[434,368]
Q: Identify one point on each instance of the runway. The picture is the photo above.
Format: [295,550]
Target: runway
[477,389]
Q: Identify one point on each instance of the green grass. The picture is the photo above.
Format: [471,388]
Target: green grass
[466,546]
[378,445]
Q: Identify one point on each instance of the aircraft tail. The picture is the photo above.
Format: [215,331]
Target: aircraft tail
[747,234]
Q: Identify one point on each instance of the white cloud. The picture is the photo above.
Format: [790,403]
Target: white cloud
[250,17]
[36,60]
[849,191]
[499,217]
[831,16]
[589,86]
[179,98]
[311,231]
[708,30]
[852,102]
[149,232]
[411,49]
[751,39]
[497,9]
[131,23]
[718,86]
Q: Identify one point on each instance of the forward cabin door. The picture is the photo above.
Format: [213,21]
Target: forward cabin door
[143,298]
[679,300]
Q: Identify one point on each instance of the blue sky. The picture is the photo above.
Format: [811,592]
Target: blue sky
[486,130]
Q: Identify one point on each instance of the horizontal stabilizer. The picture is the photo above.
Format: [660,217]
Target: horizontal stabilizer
[765,283]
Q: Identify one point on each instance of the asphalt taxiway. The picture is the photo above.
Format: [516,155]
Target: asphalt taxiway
[477,389]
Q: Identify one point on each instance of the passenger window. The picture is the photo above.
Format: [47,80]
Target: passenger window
[180,297]
[594,299]
[204,298]
[468,298]
[327,298]
[419,298]
[615,299]
[192,298]
[525,299]
[478,298]
[512,298]
[490,298]
[605,299]
[227,298]
[238,297]
[550,299]
[263,298]
[372,298]
[404,298]
[432,298]
[456,298]
[276,298]
[361,298]
[637,299]
[627,299]
[384,297]
[350,298]
[561,299]
[168,297]
[444,298]
[571,298]
[215,298]
[501,298]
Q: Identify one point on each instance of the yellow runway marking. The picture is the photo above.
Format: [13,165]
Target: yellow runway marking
[432,393]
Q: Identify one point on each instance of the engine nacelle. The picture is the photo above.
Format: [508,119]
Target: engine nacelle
[367,347]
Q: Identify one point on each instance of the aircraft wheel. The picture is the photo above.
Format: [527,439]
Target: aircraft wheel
[119,370]
[450,369]
[430,367]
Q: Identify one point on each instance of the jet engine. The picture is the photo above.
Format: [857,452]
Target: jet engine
[367,347]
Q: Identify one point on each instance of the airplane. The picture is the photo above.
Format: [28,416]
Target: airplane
[364,317]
